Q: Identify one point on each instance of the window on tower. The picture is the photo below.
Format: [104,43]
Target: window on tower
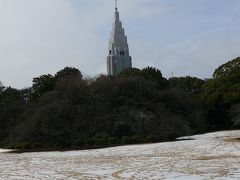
[122,53]
[110,52]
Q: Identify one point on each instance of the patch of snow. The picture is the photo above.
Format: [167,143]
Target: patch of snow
[4,150]
[208,156]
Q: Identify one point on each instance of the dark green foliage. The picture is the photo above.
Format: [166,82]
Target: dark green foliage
[45,83]
[137,106]
[134,108]
[68,72]
[40,85]
[130,72]
[229,69]
[221,93]
[235,115]
[224,88]
[189,84]
[149,73]
[1,87]
[12,105]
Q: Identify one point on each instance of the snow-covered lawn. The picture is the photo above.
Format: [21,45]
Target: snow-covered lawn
[208,156]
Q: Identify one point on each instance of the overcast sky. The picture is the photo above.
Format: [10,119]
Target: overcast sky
[184,37]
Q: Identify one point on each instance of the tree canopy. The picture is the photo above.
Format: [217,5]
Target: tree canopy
[229,69]
[137,106]
[1,87]
[224,88]
[149,73]
[68,72]
[67,111]
[222,92]
[189,84]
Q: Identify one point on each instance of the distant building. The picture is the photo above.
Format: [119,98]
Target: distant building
[118,57]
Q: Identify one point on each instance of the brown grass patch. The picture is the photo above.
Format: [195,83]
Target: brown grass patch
[233,140]
[205,158]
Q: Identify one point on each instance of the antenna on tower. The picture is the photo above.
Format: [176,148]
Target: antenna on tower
[116,5]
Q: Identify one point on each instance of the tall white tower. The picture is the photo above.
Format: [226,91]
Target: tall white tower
[118,57]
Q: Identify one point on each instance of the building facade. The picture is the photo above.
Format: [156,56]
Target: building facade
[118,57]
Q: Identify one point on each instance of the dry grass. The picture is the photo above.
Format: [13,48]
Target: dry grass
[205,158]
[234,140]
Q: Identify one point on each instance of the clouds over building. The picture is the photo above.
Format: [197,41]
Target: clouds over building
[187,37]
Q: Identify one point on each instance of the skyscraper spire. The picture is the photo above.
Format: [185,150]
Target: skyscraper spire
[118,57]
[116,5]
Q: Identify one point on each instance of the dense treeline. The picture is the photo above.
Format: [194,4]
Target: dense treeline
[137,106]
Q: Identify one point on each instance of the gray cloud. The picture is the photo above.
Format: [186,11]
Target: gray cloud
[43,36]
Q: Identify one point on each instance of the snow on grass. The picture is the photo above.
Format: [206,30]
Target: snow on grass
[4,150]
[207,156]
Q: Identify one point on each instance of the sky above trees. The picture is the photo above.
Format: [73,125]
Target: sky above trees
[183,37]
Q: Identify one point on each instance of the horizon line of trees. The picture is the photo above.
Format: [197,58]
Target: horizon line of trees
[137,106]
